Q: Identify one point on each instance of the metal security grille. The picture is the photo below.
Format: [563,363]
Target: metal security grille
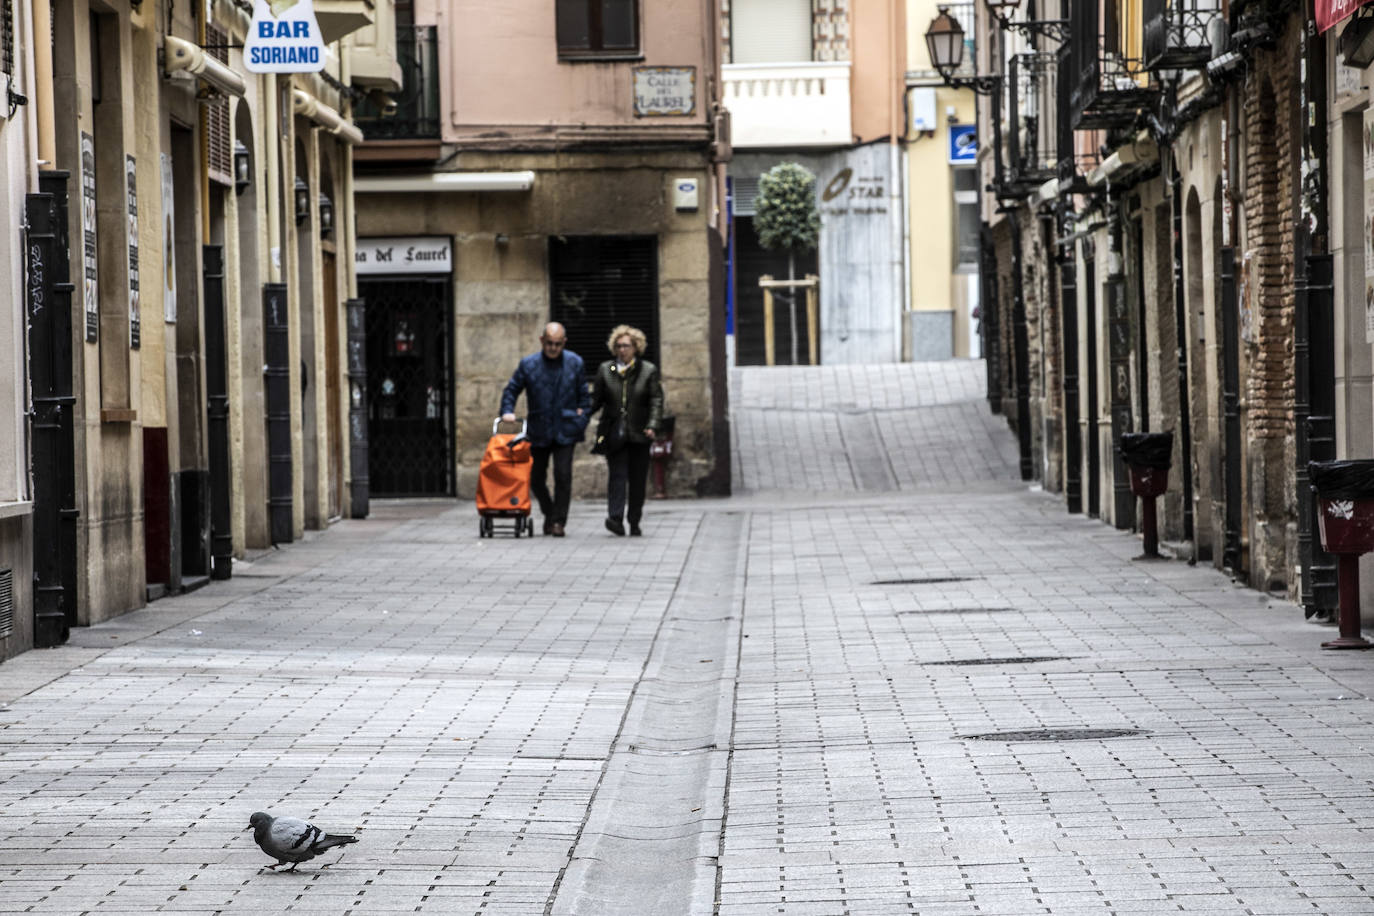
[409,385]
[598,282]
[6,602]
[220,153]
[7,39]
[746,193]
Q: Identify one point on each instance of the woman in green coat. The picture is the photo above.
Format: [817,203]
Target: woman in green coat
[629,389]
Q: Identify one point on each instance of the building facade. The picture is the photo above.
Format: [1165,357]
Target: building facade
[820,84]
[1192,258]
[189,259]
[584,187]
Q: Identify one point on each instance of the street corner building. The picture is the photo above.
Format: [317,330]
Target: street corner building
[179,268]
[1176,207]
[547,162]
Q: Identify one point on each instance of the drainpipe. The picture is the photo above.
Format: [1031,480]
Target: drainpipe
[42,84]
[895,163]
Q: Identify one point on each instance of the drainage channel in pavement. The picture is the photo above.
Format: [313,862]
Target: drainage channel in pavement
[650,842]
[1058,734]
[1008,660]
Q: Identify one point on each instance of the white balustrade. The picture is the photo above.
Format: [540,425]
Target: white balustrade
[776,105]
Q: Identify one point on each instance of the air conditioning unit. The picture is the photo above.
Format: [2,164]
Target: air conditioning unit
[1218,36]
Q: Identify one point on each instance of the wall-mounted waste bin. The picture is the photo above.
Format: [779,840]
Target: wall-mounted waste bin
[1148,456]
[1345,517]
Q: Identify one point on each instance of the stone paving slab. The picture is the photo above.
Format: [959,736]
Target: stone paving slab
[763,706]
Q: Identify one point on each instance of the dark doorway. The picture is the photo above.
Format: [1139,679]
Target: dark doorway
[753,261]
[599,281]
[409,385]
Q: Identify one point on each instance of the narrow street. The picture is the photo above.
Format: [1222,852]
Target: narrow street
[885,677]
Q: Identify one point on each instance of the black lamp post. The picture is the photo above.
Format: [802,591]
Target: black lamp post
[945,42]
[302,200]
[243,167]
[326,215]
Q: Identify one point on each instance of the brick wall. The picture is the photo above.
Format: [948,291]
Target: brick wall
[1271,147]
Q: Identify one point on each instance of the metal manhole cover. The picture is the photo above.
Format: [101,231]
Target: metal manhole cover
[1010,660]
[956,610]
[932,580]
[1058,734]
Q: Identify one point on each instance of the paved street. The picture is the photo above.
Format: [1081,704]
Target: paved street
[868,684]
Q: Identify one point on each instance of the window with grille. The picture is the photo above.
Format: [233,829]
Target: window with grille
[219,148]
[597,282]
[7,39]
[6,602]
[597,28]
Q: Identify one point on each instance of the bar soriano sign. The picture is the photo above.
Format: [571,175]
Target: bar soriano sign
[284,38]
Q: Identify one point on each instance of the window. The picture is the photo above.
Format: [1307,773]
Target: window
[7,39]
[770,31]
[599,281]
[966,226]
[598,28]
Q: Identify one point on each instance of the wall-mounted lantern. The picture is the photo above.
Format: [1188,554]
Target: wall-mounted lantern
[243,167]
[302,200]
[326,215]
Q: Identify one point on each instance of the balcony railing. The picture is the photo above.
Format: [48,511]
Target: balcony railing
[1032,141]
[1108,89]
[967,15]
[801,104]
[417,104]
[1175,35]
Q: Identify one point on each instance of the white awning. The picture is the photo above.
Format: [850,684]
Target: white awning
[317,111]
[446,181]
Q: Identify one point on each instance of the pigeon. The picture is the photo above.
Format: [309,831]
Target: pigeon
[290,839]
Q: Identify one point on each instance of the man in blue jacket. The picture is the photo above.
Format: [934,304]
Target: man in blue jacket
[557,399]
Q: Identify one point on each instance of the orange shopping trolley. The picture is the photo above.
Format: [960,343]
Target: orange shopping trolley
[503,483]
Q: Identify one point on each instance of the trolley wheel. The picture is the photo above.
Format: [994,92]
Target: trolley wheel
[486,526]
[529,527]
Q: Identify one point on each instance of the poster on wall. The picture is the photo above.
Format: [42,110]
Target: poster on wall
[131,171]
[90,289]
[169,264]
[1367,140]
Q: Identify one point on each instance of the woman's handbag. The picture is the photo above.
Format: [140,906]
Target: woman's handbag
[611,439]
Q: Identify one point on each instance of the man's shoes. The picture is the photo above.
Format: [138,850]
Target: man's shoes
[634,530]
[548,526]
[615,526]
[556,530]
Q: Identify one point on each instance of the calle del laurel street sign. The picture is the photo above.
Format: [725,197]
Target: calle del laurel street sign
[284,38]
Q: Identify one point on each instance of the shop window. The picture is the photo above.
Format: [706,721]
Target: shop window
[598,282]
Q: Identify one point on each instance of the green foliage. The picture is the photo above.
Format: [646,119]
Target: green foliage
[785,215]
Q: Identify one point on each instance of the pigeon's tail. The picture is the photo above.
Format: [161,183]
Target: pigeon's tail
[330,840]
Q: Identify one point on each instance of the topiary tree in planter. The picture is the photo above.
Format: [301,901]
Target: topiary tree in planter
[786,219]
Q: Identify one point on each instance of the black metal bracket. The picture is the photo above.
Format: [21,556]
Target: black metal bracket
[982,85]
[1056,30]
[14,99]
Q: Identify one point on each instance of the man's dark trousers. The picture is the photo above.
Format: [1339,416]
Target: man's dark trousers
[555,509]
[629,466]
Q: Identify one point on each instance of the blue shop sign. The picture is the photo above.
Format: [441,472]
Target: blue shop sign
[963,143]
